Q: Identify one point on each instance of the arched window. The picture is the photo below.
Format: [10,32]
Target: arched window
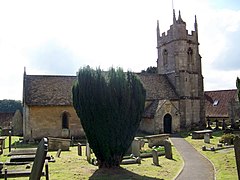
[165,57]
[65,120]
[190,54]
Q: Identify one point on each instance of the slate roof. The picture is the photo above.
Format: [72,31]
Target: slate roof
[223,97]
[46,90]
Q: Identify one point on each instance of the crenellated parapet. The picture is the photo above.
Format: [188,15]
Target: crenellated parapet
[177,32]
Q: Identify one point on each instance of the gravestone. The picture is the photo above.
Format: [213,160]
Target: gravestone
[207,138]
[88,152]
[217,125]
[79,149]
[223,125]
[155,157]
[236,143]
[58,153]
[136,147]
[58,143]
[168,149]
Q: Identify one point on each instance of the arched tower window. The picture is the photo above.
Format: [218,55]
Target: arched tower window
[190,56]
[165,56]
[65,120]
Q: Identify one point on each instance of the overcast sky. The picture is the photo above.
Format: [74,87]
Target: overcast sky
[58,37]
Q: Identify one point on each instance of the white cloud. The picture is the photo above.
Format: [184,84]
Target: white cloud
[106,33]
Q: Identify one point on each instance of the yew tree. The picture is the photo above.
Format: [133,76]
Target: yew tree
[109,105]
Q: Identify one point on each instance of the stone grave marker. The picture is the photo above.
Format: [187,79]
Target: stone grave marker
[168,149]
[79,149]
[236,143]
[224,125]
[58,153]
[206,138]
[155,157]
[136,147]
[88,152]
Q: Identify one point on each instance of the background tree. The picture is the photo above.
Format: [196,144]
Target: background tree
[151,69]
[7,105]
[238,87]
[110,105]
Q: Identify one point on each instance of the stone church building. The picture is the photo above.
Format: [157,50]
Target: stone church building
[174,102]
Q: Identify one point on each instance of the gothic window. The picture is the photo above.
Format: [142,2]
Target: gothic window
[165,56]
[65,119]
[190,56]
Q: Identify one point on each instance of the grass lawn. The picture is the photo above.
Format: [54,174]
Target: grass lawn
[72,166]
[223,160]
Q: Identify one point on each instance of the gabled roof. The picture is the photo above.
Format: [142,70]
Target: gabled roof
[217,102]
[46,90]
[150,110]
[157,86]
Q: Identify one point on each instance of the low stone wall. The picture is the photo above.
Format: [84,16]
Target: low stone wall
[157,139]
[58,143]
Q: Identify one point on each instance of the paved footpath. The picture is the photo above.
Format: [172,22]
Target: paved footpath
[196,166]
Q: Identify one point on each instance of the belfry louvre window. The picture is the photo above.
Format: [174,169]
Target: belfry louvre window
[165,57]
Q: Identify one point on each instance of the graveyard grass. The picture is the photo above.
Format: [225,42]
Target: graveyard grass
[72,166]
[223,160]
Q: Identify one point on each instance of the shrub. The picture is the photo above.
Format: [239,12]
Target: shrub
[227,138]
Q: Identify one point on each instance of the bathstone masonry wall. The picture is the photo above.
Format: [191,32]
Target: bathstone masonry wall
[166,107]
[156,124]
[190,113]
[47,121]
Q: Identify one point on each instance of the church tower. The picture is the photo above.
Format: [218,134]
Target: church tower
[179,60]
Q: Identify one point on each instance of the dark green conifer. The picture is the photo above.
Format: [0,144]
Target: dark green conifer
[109,105]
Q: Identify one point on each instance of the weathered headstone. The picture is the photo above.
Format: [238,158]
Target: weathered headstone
[168,149]
[58,153]
[88,152]
[236,143]
[223,125]
[206,138]
[155,157]
[79,149]
[136,147]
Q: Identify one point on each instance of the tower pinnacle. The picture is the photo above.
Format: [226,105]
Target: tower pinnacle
[158,32]
[174,17]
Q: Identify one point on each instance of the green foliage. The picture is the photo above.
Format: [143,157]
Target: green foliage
[238,87]
[110,105]
[8,105]
[150,69]
[227,138]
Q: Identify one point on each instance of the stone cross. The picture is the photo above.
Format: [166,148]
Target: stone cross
[236,143]
[155,157]
[206,138]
